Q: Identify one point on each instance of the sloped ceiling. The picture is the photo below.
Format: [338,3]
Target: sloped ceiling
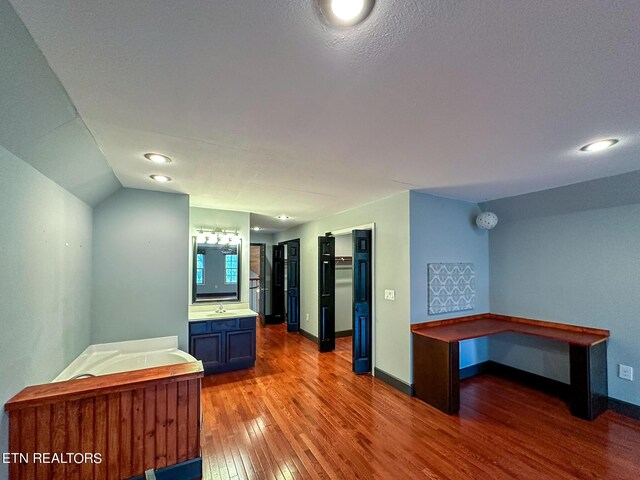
[39,124]
[265,108]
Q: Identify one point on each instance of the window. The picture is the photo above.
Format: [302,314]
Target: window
[231,269]
[200,269]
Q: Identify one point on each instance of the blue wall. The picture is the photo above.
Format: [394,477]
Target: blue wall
[140,266]
[443,230]
[45,280]
[575,267]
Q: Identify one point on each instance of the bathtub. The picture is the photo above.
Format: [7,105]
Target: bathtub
[106,358]
[137,418]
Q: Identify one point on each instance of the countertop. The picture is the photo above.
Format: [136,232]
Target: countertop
[212,315]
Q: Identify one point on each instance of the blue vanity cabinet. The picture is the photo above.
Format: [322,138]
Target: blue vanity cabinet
[224,345]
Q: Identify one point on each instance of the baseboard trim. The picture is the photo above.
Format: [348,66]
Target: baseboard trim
[344,333]
[309,336]
[624,408]
[473,370]
[189,470]
[393,382]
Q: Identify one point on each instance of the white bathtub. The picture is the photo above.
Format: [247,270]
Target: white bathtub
[105,358]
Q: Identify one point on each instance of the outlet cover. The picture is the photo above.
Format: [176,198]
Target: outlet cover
[625,372]
[307,318]
[389,294]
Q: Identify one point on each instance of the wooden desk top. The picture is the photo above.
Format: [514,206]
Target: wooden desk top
[474,326]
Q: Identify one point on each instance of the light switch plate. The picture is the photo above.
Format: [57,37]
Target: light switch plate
[625,372]
[389,294]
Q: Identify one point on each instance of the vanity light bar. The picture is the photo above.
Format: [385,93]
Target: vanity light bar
[213,236]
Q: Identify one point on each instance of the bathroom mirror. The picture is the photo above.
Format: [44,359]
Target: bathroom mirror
[216,272]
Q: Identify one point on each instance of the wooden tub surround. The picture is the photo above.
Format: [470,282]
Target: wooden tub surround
[136,420]
[436,358]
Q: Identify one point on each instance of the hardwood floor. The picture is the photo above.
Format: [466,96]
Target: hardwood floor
[302,414]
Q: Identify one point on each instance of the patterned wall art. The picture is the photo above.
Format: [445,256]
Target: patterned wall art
[451,287]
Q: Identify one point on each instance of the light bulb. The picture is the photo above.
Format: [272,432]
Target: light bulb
[161,178]
[347,9]
[157,158]
[599,145]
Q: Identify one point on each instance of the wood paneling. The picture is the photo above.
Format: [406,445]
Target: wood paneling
[142,426]
[474,326]
[304,414]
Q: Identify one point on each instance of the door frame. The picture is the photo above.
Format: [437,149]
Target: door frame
[349,230]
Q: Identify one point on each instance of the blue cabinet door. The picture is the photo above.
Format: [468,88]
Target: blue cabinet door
[210,349]
[241,349]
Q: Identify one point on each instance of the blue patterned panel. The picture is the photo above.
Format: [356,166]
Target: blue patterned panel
[451,287]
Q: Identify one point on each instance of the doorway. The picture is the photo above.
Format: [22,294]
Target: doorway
[286,284]
[257,279]
[345,293]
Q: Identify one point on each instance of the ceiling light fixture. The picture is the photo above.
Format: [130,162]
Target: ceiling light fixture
[487,220]
[157,158]
[283,217]
[255,229]
[160,178]
[345,13]
[599,145]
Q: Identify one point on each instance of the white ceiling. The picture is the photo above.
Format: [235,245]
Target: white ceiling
[266,109]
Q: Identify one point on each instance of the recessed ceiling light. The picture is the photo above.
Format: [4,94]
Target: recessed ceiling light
[256,228]
[345,13]
[599,145]
[157,158]
[283,217]
[161,178]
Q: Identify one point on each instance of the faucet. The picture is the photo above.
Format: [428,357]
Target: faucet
[220,309]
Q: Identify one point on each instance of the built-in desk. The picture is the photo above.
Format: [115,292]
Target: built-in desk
[436,358]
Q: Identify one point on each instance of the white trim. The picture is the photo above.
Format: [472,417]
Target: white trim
[343,231]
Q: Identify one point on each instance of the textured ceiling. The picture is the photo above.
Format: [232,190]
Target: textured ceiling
[39,123]
[266,109]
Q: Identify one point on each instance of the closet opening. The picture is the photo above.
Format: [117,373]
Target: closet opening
[345,293]
[344,285]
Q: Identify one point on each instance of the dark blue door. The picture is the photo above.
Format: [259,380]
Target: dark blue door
[326,294]
[277,284]
[362,301]
[293,286]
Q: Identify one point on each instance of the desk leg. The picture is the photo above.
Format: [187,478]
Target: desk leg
[589,391]
[436,373]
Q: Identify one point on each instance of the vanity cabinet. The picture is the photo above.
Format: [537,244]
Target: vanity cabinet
[224,345]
